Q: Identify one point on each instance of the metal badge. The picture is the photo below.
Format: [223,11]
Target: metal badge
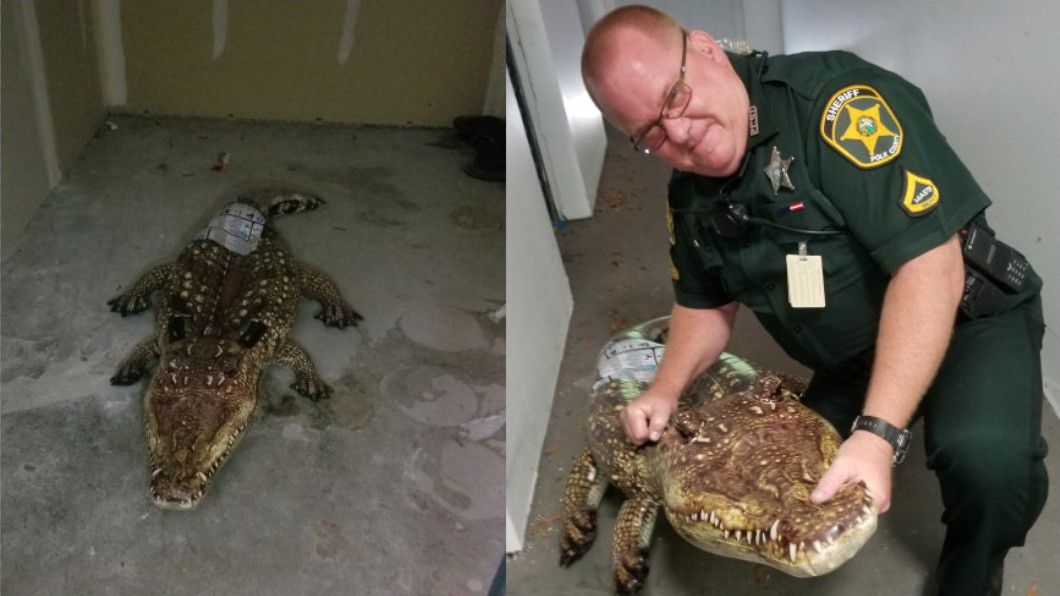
[777,171]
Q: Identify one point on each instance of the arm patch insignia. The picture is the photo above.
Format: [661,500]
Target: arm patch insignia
[919,195]
[858,123]
[670,225]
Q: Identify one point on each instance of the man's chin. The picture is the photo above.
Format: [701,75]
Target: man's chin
[717,162]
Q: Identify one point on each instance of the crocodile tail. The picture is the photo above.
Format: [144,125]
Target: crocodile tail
[276,202]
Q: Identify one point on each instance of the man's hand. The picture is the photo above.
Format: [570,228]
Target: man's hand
[645,417]
[863,456]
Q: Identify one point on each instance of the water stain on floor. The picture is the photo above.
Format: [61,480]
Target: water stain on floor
[475,219]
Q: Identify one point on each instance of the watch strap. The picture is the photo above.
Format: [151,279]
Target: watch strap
[898,438]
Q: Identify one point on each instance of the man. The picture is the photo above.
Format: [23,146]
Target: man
[785,162]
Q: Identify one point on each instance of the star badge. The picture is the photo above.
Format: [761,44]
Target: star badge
[777,171]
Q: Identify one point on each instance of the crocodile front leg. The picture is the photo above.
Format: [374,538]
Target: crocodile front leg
[137,298]
[636,519]
[306,381]
[136,363]
[581,498]
[335,312]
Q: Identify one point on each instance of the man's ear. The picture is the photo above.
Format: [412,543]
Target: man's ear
[702,42]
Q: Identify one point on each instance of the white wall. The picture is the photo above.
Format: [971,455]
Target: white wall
[991,71]
[539,306]
[546,39]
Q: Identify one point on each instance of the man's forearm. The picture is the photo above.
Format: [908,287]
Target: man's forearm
[915,327]
[696,338]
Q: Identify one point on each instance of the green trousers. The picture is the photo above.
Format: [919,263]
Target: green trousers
[982,434]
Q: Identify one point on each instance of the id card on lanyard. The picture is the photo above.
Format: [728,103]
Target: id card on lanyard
[805,279]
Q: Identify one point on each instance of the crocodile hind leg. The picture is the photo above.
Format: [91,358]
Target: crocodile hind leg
[581,497]
[136,363]
[629,560]
[306,380]
[335,311]
[136,298]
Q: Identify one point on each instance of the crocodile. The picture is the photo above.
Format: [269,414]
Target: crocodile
[732,472]
[221,320]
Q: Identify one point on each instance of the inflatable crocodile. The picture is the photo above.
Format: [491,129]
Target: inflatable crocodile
[732,473]
[226,311]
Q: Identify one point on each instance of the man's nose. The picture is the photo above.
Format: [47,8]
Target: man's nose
[676,129]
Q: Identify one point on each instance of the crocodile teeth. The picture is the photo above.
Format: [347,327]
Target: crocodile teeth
[713,518]
[220,380]
[726,534]
[185,380]
[739,535]
[703,515]
[156,472]
[816,546]
[209,380]
[202,476]
[174,377]
[792,550]
[773,530]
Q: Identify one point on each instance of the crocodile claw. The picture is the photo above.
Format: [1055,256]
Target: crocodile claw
[338,315]
[631,571]
[579,531]
[128,304]
[126,376]
[313,388]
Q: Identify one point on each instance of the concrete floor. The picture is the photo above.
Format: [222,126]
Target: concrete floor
[391,487]
[619,274]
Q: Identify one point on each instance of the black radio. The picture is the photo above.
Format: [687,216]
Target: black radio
[999,261]
[993,271]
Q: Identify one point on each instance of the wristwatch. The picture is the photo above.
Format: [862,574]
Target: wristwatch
[899,438]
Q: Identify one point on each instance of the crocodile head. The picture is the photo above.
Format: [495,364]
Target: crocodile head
[196,408]
[736,477]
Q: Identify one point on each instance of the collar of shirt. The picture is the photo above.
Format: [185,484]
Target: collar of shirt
[750,69]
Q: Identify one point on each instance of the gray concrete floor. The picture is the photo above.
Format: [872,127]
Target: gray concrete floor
[391,487]
[619,274]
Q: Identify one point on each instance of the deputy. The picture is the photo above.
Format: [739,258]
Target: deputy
[816,190]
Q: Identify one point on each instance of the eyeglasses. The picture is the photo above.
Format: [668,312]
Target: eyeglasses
[677,100]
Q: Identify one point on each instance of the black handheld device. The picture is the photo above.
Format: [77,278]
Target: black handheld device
[996,260]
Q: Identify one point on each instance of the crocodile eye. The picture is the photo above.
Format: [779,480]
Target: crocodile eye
[176,328]
[251,333]
[685,425]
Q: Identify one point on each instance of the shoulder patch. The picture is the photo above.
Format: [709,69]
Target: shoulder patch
[670,225]
[919,195]
[858,123]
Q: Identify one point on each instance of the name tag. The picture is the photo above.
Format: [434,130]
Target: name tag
[805,281]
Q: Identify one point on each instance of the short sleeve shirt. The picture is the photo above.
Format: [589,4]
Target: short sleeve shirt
[864,158]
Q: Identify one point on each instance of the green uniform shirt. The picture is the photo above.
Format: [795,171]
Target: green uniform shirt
[868,161]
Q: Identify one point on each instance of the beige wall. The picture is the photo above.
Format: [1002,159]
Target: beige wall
[43,123]
[23,175]
[73,76]
[412,61]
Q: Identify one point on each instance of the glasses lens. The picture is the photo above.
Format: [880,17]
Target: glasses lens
[678,100]
[652,139]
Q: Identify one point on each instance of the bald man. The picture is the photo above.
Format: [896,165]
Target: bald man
[816,190]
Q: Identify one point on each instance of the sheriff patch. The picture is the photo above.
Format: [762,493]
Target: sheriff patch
[919,195]
[859,124]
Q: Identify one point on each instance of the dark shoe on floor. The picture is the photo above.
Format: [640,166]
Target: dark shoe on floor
[469,127]
[486,169]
